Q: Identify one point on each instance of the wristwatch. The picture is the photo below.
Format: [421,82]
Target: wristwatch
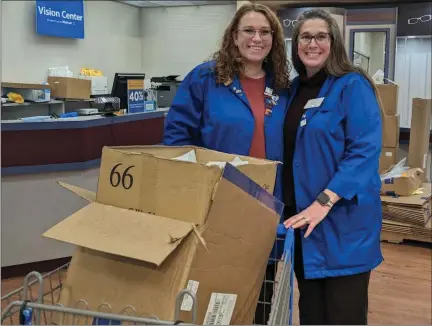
[324,200]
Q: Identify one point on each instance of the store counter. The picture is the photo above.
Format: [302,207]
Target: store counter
[73,143]
[34,156]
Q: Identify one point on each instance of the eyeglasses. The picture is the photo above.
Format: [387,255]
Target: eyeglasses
[321,38]
[422,19]
[288,22]
[263,33]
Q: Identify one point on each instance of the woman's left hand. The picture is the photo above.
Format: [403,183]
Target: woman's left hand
[311,216]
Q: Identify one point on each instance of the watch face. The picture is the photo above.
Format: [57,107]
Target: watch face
[323,198]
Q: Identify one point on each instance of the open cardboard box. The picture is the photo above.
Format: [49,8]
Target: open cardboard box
[158,225]
[403,185]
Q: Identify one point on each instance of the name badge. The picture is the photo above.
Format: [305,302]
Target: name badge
[316,102]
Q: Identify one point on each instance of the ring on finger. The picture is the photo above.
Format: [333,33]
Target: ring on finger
[305,219]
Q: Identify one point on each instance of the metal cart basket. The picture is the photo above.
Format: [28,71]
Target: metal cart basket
[36,302]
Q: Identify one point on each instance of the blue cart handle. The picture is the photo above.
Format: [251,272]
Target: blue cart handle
[281,230]
[288,234]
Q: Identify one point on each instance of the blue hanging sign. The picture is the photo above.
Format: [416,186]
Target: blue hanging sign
[60,18]
[135,89]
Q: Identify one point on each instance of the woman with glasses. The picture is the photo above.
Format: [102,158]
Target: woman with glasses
[236,103]
[332,140]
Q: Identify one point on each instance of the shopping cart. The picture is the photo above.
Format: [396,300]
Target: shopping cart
[36,302]
[27,306]
[279,304]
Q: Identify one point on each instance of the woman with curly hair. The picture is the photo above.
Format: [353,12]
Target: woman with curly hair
[236,102]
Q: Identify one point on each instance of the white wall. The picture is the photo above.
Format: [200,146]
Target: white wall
[175,39]
[413,73]
[112,42]
[118,38]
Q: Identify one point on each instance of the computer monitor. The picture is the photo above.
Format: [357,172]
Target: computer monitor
[119,88]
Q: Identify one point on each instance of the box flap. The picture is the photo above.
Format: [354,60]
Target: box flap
[122,232]
[83,193]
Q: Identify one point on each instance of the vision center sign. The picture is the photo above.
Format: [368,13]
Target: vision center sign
[60,18]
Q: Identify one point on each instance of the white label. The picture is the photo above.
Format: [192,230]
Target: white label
[303,123]
[316,102]
[220,309]
[389,154]
[425,161]
[187,300]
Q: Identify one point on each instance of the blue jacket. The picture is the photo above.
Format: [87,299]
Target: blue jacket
[219,117]
[338,147]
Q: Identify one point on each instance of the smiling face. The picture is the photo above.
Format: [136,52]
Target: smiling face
[254,37]
[314,44]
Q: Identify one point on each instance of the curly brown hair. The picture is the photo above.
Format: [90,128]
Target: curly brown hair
[229,62]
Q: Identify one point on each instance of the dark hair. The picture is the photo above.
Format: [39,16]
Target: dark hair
[338,62]
[229,62]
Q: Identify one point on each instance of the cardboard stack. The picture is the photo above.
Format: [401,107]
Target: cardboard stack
[169,218]
[408,217]
[388,94]
[406,199]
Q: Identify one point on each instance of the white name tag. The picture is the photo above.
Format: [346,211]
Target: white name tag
[316,102]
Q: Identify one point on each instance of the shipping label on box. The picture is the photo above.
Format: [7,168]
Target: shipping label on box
[388,158]
[128,257]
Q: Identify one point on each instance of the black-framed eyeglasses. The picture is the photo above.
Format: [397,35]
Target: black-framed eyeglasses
[263,33]
[320,38]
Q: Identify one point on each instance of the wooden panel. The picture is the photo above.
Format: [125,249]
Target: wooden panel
[371,16]
[400,289]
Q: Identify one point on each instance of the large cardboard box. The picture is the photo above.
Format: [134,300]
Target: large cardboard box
[70,88]
[158,225]
[420,133]
[391,131]
[388,94]
[388,158]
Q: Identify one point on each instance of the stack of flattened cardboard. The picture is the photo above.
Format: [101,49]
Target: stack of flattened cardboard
[408,217]
[388,94]
[169,218]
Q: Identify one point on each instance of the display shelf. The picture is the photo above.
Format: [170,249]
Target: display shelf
[7,104]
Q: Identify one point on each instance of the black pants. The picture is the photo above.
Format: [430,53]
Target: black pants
[331,301]
[262,312]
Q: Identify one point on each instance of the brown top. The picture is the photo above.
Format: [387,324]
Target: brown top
[254,90]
